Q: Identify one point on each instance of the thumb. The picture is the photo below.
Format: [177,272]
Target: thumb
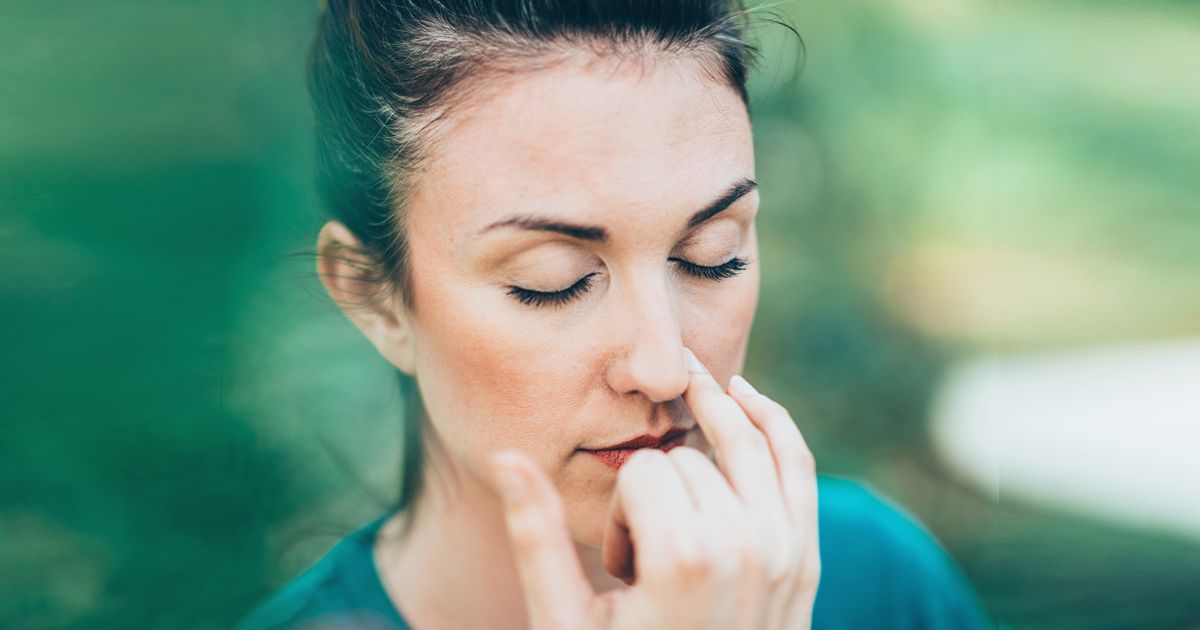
[557,594]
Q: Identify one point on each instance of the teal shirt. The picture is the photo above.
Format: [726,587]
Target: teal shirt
[879,569]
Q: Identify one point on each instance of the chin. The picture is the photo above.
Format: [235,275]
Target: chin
[586,520]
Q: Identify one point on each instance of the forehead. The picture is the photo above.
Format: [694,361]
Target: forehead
[606,142]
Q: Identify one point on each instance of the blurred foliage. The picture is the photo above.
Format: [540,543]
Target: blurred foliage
[939,179]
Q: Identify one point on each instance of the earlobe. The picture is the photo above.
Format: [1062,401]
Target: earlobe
[350,274]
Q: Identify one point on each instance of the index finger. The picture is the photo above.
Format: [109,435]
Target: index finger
[743,452]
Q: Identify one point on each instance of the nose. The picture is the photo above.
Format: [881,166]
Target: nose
[649,356]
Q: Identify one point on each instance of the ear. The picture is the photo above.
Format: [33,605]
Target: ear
[345,268]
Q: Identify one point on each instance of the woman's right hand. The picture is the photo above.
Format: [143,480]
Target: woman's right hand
[702,546]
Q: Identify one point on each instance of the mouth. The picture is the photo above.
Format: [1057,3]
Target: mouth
[615,456]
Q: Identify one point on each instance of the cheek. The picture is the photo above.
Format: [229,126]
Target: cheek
[488,384]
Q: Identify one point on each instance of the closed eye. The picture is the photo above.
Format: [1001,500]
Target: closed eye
[529,297]
[727,269]
[552,298]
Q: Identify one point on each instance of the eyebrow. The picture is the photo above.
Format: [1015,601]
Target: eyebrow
[599,234]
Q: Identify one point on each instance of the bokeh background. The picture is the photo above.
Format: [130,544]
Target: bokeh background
[981,243]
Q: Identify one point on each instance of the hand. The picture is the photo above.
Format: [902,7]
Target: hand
[732,545]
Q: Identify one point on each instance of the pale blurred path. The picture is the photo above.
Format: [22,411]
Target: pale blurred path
[1109,431]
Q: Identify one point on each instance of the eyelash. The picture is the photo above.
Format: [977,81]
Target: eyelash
[552,298]
[725,270]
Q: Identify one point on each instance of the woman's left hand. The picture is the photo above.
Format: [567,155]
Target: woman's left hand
[766,462]
[726,545]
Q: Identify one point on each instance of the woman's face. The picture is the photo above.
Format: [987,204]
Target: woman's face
[603,185]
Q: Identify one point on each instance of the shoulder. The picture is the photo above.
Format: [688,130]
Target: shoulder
[298,600]
[339,589]
[880,567]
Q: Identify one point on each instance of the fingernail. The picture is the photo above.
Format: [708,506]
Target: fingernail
[509,480]
[693,364]
[742,386]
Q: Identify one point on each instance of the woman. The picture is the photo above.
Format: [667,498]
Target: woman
[545,217]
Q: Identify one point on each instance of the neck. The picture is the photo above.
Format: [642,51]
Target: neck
[454,567]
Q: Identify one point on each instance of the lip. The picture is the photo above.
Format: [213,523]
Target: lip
[616,455]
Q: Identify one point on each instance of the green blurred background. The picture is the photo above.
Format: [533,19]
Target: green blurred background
[188,421]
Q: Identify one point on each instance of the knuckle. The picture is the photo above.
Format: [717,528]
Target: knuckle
[642,461]
[749,439]
[773,408]
[792,451]
[783,428]
[795,556]
[751,559]
[740,545]
[688,456]
[683,452]
[690,563]
[647,457]
[778,575]
[804,459]
[781,421]
[797,453]
[810,574]
[780,568]
[769,557]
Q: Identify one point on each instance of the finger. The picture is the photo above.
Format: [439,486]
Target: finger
[799,612]
[709,489]
[651,519]
[794,462]
[616,552]
[797,475]
[743,453]
[557,594]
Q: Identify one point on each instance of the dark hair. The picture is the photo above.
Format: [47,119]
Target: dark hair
[383,73]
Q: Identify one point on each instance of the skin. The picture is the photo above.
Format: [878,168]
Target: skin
[635,149]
